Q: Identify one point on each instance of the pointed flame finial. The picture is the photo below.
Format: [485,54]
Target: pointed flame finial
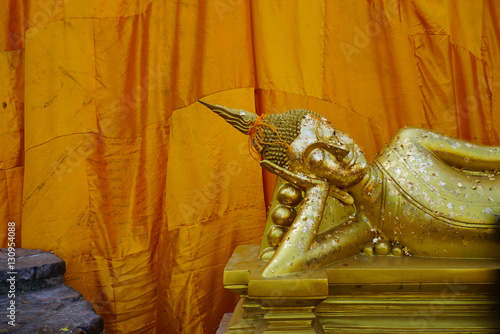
[242,120]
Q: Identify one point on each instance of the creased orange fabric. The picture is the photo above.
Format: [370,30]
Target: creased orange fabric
[108,161]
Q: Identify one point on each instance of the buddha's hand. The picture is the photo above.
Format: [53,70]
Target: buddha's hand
[300,180]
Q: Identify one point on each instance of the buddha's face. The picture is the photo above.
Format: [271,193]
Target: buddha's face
[322,151]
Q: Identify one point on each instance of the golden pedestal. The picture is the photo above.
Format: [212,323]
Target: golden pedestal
[366,294]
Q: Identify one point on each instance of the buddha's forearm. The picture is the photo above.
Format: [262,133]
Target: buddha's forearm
[346,240]
[302,232]
[469,157]
[455,152]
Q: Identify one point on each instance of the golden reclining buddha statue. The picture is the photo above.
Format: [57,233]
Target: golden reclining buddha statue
[425,194]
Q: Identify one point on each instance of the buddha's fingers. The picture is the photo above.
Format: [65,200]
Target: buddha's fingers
[300,180]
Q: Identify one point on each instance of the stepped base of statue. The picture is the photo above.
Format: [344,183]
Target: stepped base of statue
[366,294]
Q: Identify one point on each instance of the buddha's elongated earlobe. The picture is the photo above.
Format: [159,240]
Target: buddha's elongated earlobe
[341,195]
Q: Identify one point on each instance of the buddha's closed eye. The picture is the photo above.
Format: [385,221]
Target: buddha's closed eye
[333,135]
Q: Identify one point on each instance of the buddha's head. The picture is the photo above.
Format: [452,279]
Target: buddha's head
[301,141]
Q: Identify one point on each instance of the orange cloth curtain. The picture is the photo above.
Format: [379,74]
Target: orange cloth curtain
[107,160]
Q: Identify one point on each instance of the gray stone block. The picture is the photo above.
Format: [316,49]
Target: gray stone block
[43,304]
